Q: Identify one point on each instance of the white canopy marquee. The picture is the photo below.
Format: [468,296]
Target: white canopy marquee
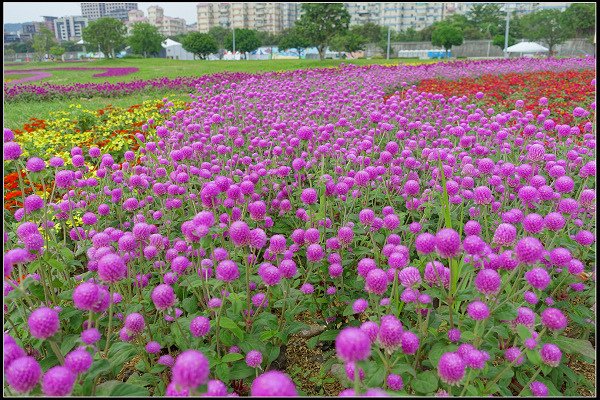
[526,47]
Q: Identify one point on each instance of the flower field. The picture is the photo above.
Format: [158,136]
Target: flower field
[430,229]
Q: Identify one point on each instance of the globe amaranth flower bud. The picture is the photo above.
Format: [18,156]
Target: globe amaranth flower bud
[273,383]
[538,389]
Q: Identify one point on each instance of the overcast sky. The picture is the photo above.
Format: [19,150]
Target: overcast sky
[25,12]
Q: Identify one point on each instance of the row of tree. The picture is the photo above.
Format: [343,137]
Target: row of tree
[326,25]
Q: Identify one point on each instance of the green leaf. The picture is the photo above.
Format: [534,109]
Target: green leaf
[376,376]
[523,332]
[505,313]
[190,304]
[229,324]
[121,389]
[534,357]
[222,372]
[402,368]
[231,357]
[241,371]
[425,383]
[68,343]
[580,346]
[329,335]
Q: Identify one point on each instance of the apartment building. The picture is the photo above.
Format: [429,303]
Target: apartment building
[267,17]
[70,27]
[168,26]
[93,11]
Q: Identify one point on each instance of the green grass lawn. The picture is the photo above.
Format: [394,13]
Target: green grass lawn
[159,67]
[18,113]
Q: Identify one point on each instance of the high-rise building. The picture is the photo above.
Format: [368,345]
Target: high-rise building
[93,11]
[398,16]
[168,26]
[49,22]
[267,17]
[70,27]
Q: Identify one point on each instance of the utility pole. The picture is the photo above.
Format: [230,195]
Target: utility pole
[388,44]
[234,43]
[506,31]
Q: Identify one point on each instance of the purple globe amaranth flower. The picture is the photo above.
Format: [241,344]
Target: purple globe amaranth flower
[163,296]
[371,329]
[376,281]
[134,323]
[488,281]
[425,243]
[191,369]
[12,352]
[112,268]
[538,389]
[254,358]
[85,295]
[409,277]
[525,316]
[166,360]
[153,347]
[359,306]
[409,342]
[451,368]
[43,323]
[227,271]
[23,374]
[454,335]
[551,354]
[273,383]
[475,359]
[216,388]
[394,382]
[554,319]
[538,278]
[529,250]
[351,370]
[314,253]
[352,344]
[90,336]
[58,381]
[514,355]
[173,390]
[309,196]
[478,310]
[390,332]
[200,326]
[447,243]
[79,361]
[505,234]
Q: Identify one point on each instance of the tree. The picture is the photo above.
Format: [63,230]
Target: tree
[370,31]
[350,42]
[292,39]
[246,41]
[219,33]
[145,39]
[547,26]
[579,19]
[57,51]
[499,41]
[446,36]
[42,42]
[320,22]
[201,44]
[486,17]
[107,34]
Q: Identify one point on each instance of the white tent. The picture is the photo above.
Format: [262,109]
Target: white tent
[174,50]
[526,47]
